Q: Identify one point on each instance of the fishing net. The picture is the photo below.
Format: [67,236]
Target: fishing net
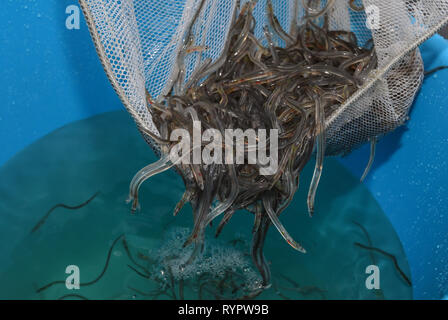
[138,43]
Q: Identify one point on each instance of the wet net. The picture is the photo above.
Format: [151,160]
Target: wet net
[138,43]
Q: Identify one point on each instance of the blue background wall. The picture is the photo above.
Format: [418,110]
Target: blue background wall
[49,75]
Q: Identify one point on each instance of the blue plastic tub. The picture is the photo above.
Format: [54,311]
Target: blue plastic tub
[51,76]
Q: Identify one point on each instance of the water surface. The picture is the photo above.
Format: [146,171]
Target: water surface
[102,154]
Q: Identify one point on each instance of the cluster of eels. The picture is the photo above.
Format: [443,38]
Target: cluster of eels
[258,84]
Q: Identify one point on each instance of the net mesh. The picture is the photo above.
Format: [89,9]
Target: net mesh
[138,43]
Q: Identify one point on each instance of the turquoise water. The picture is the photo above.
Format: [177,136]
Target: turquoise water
[102,154]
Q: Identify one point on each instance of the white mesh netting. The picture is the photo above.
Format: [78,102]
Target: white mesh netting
[138,43]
